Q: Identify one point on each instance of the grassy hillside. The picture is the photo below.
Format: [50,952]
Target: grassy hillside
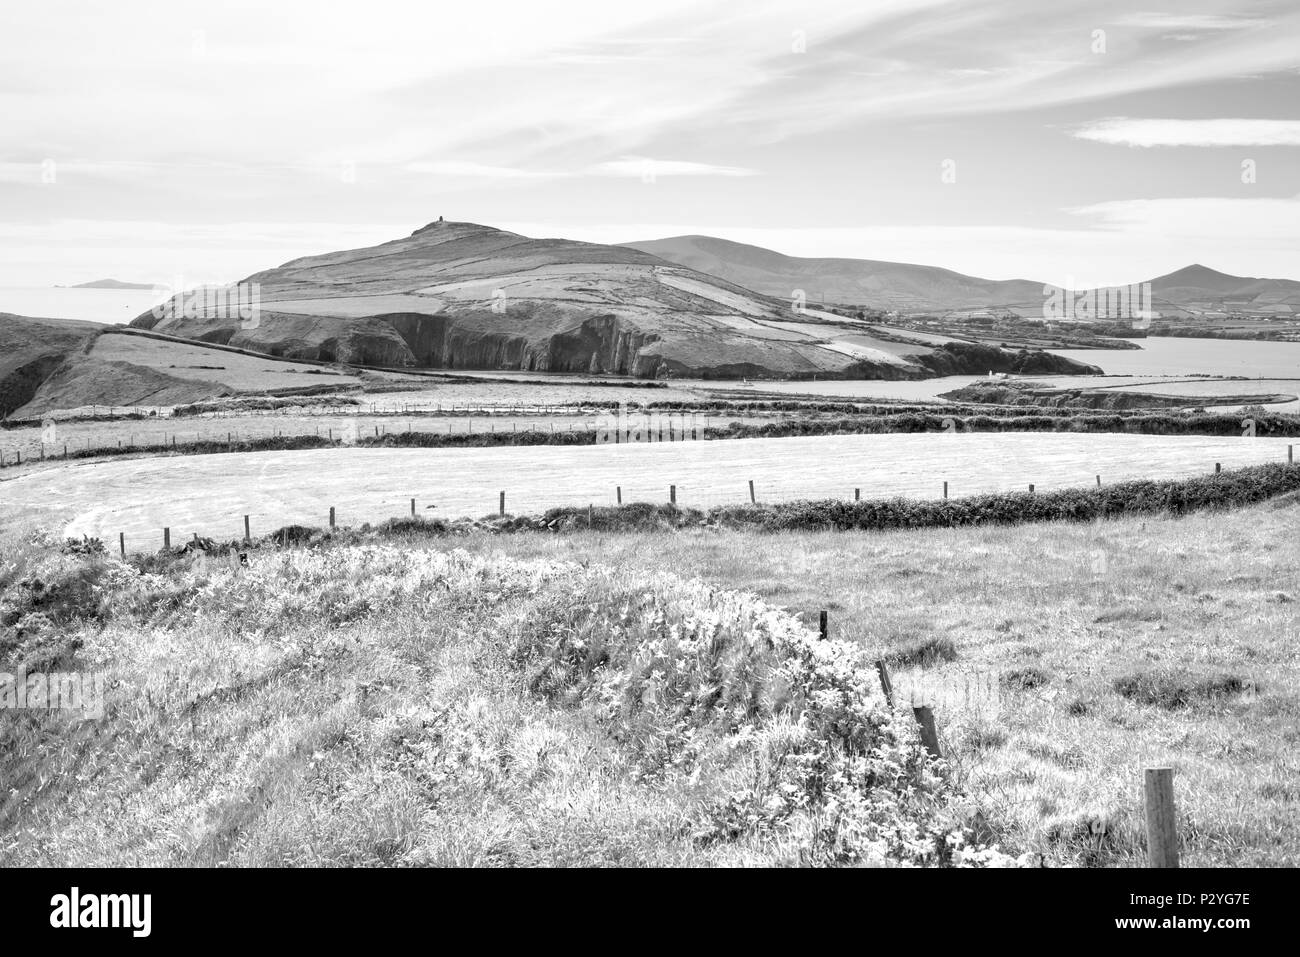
[637,699]
[1165,641]
[376,705]
[56,364]
[32,349]
[886,285]
[465,296]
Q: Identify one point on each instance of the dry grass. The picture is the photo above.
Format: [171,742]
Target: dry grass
[260,723]
[1083,653]
[369,705]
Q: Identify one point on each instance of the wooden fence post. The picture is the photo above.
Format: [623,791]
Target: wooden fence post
[945,489]
[1162,821]
[247,537]
[886,685]
[672,494]
[167,539]
[121,543]
[1290,457]
[857,495]
[1218,467]
[929,733]
[1098,481]
[412,508]
[331,517]
[752,500]
[1031,488]
[821,625]
[503,503]
[618,491]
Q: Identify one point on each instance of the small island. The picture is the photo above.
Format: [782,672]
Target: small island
[110,284]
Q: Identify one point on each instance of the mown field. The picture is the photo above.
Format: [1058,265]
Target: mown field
[208,495]
[641,699]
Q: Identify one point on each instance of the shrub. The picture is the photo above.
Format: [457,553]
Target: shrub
[923,652]
[85,546]
[1225,490]
[1024,679]
[1177,688]
[685,674]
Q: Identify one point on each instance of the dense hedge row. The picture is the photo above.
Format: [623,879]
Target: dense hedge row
[315,399]
[472,440]
[1224,490]
[1146,424]
[953,409]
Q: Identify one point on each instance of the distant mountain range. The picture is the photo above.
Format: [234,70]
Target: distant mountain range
[465,296]
[905,287]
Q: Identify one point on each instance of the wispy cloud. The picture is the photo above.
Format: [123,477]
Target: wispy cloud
[475,170]
[1189,21]
[644,167]
[843,112]
[1216,132]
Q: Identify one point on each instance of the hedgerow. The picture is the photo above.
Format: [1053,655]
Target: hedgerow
[1145,424]
[1219,491]
[1175,496]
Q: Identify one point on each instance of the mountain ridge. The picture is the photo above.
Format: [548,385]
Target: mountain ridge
[464,295]
[913,287]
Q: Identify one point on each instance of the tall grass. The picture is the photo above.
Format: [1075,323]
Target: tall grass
[374,705]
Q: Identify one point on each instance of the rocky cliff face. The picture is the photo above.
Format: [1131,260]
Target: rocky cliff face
[462,296]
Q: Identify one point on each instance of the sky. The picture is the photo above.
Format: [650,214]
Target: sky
[1076,143]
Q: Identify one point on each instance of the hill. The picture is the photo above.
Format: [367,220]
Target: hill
[1192,291]
[1199,289]
[51,364]
[31,349]
[465,296]
[884,285]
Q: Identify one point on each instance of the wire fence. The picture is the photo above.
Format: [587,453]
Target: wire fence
[208,495]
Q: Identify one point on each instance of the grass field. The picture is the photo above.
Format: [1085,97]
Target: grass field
[194,360]
[1177,612]
[579,699]
[209,494]
[153,431]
